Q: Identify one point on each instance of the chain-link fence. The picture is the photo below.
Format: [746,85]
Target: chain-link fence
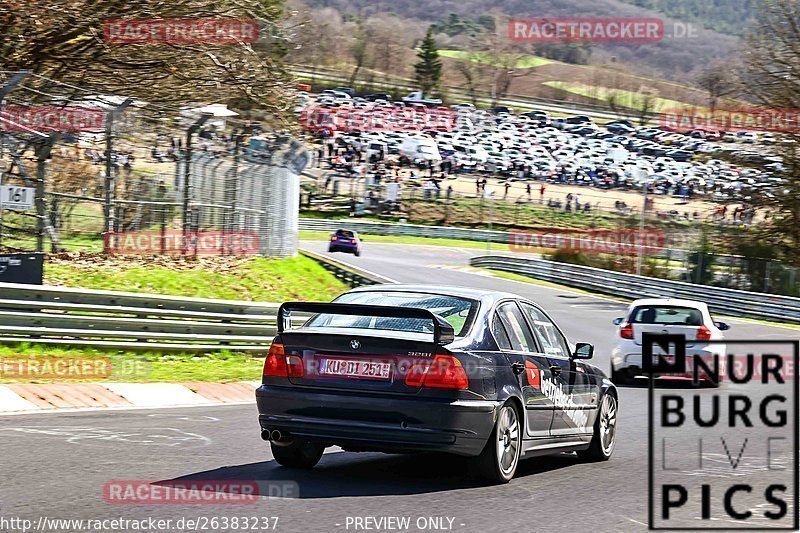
[127,176]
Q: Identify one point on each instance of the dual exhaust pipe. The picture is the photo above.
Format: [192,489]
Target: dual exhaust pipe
[275,435]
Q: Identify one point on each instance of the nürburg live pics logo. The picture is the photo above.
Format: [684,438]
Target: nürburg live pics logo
[723,433]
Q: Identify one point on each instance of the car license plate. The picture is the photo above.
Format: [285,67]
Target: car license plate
[350,368]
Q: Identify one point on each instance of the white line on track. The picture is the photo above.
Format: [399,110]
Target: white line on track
[634,521]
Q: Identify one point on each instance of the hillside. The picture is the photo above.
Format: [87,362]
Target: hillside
[725,16]
[673,59]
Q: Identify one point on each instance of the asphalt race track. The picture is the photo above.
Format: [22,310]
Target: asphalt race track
[57,465]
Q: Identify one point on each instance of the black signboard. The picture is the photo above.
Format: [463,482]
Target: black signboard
[22,268]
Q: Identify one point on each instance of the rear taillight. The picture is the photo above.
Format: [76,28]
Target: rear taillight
[703,334]
[278,364]
[294,366]
[275,363]
[445,372]
[626,331]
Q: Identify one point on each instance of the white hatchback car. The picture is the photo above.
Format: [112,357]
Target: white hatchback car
[663,315]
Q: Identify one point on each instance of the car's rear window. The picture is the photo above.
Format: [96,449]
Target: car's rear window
[459,312]
[652,314]
[344,233]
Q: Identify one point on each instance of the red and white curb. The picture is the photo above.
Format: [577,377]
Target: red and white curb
[18,398]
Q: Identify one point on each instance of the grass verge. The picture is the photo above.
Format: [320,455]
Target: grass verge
[251,279]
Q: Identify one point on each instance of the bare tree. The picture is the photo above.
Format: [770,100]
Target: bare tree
[469,71]
[65,42]
[646,104]
[718,81]
[500,58]
[318,35]
[389,46]
[359,49]
[612,99]
[773,81]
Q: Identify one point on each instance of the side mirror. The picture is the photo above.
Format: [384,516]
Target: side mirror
[618,321]
[583,350]
[722,326]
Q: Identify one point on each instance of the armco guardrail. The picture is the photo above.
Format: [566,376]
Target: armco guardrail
[720,300]
[433,232]
[414,230]
[108,319]
[124,320]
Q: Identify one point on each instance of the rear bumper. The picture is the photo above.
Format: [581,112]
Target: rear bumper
[632,362]
[343,247]
[380,423]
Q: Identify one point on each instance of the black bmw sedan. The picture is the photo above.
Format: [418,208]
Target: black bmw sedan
[402,368]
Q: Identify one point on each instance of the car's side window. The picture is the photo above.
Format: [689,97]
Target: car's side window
[500,334]
[519,335]
[550,339]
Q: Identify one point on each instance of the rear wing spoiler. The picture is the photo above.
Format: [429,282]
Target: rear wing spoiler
[443,332]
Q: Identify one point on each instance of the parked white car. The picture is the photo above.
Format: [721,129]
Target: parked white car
[667,316]
[420,149]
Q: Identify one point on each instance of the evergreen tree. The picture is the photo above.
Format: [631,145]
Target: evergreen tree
[428,70]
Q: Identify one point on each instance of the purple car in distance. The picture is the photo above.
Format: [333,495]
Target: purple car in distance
[345,241]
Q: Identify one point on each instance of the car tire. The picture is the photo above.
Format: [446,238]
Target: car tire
[498,461]
[331,249]
[603,442]
[619,377]
[357,253]
[300,453]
